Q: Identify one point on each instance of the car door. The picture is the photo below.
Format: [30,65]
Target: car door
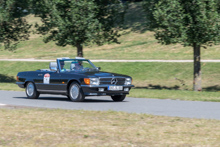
[64,78]
[51,81]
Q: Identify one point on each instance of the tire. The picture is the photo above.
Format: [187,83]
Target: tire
[118,98]
[31,91]
[75,93]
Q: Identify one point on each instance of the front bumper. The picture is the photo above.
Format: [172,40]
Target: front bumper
[20,84]
[94,90]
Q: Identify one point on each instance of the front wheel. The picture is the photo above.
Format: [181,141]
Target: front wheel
[31,91]
[118,98]
[75,93]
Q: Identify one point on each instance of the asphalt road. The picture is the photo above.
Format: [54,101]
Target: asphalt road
[189,109]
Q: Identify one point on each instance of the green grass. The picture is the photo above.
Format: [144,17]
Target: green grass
[167,76]
[176,95]
[73,128]
[136,42]
[151,80]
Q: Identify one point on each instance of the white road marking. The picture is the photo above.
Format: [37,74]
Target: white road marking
[175,61]
[40,60]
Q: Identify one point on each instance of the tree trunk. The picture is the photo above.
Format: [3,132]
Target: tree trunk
[79,50]
[197,79]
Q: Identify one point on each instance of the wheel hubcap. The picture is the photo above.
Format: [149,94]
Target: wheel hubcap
[30,89]
[74,92]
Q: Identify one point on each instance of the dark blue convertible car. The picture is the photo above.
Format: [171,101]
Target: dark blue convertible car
[75,78]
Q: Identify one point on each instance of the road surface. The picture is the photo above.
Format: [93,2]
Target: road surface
[189,109]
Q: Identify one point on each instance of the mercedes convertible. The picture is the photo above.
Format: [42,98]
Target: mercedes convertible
[75,78]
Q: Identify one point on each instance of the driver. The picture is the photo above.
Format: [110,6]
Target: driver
[79,65]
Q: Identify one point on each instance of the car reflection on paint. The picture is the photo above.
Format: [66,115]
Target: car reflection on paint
[75,78]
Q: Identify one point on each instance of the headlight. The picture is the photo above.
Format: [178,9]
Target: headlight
[91,81]
[94,81]
[128,81]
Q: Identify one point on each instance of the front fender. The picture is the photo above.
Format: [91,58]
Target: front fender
[72,80]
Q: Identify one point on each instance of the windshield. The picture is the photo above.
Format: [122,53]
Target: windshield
[76,65]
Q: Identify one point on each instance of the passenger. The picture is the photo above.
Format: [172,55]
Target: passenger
[62,66]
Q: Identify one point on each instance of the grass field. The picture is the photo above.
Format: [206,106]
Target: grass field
[52,127]
[136,42]
[151,80]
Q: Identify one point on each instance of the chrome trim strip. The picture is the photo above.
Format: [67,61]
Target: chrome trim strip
[101,86]
[50,84]
[92,94]
[53,91]
[113,77]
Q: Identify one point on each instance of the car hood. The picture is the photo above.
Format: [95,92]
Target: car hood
[102,74]
[107,74]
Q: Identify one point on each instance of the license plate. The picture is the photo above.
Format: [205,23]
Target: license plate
[115,88]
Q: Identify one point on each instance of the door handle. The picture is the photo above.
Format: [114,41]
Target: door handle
[40,74]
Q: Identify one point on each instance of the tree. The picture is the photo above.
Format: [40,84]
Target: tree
[194,23]
[13,27]
[149,7]
[218,5]
[78,22]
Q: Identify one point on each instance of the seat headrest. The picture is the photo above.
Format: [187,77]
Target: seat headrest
[53,66]
[72,65]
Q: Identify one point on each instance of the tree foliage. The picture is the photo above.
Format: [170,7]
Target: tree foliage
[218,5]
[187,22]
[193,23]
[78,22]
[13,27]
[149,7]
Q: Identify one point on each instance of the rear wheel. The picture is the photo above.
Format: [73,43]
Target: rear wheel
[118,98]
[31,91]
[75,93]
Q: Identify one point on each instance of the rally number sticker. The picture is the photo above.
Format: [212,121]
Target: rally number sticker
[47,78]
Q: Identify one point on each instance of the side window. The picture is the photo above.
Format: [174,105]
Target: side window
[67,65]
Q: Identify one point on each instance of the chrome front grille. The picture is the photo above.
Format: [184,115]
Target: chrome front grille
[107,81]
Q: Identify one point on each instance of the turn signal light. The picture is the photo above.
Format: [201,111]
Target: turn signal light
[87,81]
[17,78]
